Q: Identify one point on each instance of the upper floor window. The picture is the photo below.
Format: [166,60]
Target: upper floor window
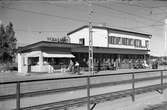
[146,43]
[125,41]
[114,40]
[137,43]
[82,41]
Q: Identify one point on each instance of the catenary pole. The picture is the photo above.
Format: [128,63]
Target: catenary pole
[90,40]
[90,54]
[165,39]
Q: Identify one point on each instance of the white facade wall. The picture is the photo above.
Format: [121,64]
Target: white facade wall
[23,62]
[100,38]
[83,33]
[20,62]
[21,67]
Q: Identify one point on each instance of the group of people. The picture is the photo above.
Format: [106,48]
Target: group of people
[74,67]
[141,63]
[154,64]
[125,63]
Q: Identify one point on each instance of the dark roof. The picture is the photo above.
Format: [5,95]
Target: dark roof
[107,50]
[48,44]
[113,30]
[79,48]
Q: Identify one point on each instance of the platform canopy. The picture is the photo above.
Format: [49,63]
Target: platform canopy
[49,54]
[32,54]
[57,55]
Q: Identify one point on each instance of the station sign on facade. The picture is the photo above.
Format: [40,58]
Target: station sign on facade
[54,39]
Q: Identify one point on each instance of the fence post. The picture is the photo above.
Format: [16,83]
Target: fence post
[161,82]
[133,87]
[18,96]
[88,92]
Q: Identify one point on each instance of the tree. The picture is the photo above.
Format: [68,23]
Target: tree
[7,43]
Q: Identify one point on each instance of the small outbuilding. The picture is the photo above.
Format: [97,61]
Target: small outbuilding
[42,56]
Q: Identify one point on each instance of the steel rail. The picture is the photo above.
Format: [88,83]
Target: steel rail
[132,92]
[51,91]
[78,77]
[94,99]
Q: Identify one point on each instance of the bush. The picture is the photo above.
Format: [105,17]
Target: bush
[4,68]
[8,67]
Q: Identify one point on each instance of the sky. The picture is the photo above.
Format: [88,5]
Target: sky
[35,20]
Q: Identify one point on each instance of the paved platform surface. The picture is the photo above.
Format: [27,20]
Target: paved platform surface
[142,100]
[15,76]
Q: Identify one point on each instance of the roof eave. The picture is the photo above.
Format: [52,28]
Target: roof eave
[108,28]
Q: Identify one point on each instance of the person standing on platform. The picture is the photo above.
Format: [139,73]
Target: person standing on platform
[115,65]
[71,66]
[98,66]
[51,70]
[77,68]
[130,64]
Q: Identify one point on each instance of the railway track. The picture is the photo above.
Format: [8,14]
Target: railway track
[95,99]
[53,91]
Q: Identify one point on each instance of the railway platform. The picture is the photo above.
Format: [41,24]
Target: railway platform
[104,90]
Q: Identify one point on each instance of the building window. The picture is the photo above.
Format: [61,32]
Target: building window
[123,41]
[126,41]
[115,40]
[132,42]
[82,41]
[137,43]
[140,43]
[129,42]
[118,40]
[146,43]
[111,39]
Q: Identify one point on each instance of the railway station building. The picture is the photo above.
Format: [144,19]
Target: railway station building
[109,46]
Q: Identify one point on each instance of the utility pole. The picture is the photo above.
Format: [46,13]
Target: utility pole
[90,41]
[90,54]
[165,40]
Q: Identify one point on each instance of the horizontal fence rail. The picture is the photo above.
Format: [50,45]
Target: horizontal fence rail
[78,77]
[36,93]
[91,100]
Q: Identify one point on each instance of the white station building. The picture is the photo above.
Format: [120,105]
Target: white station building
[109,45]
[111,38]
